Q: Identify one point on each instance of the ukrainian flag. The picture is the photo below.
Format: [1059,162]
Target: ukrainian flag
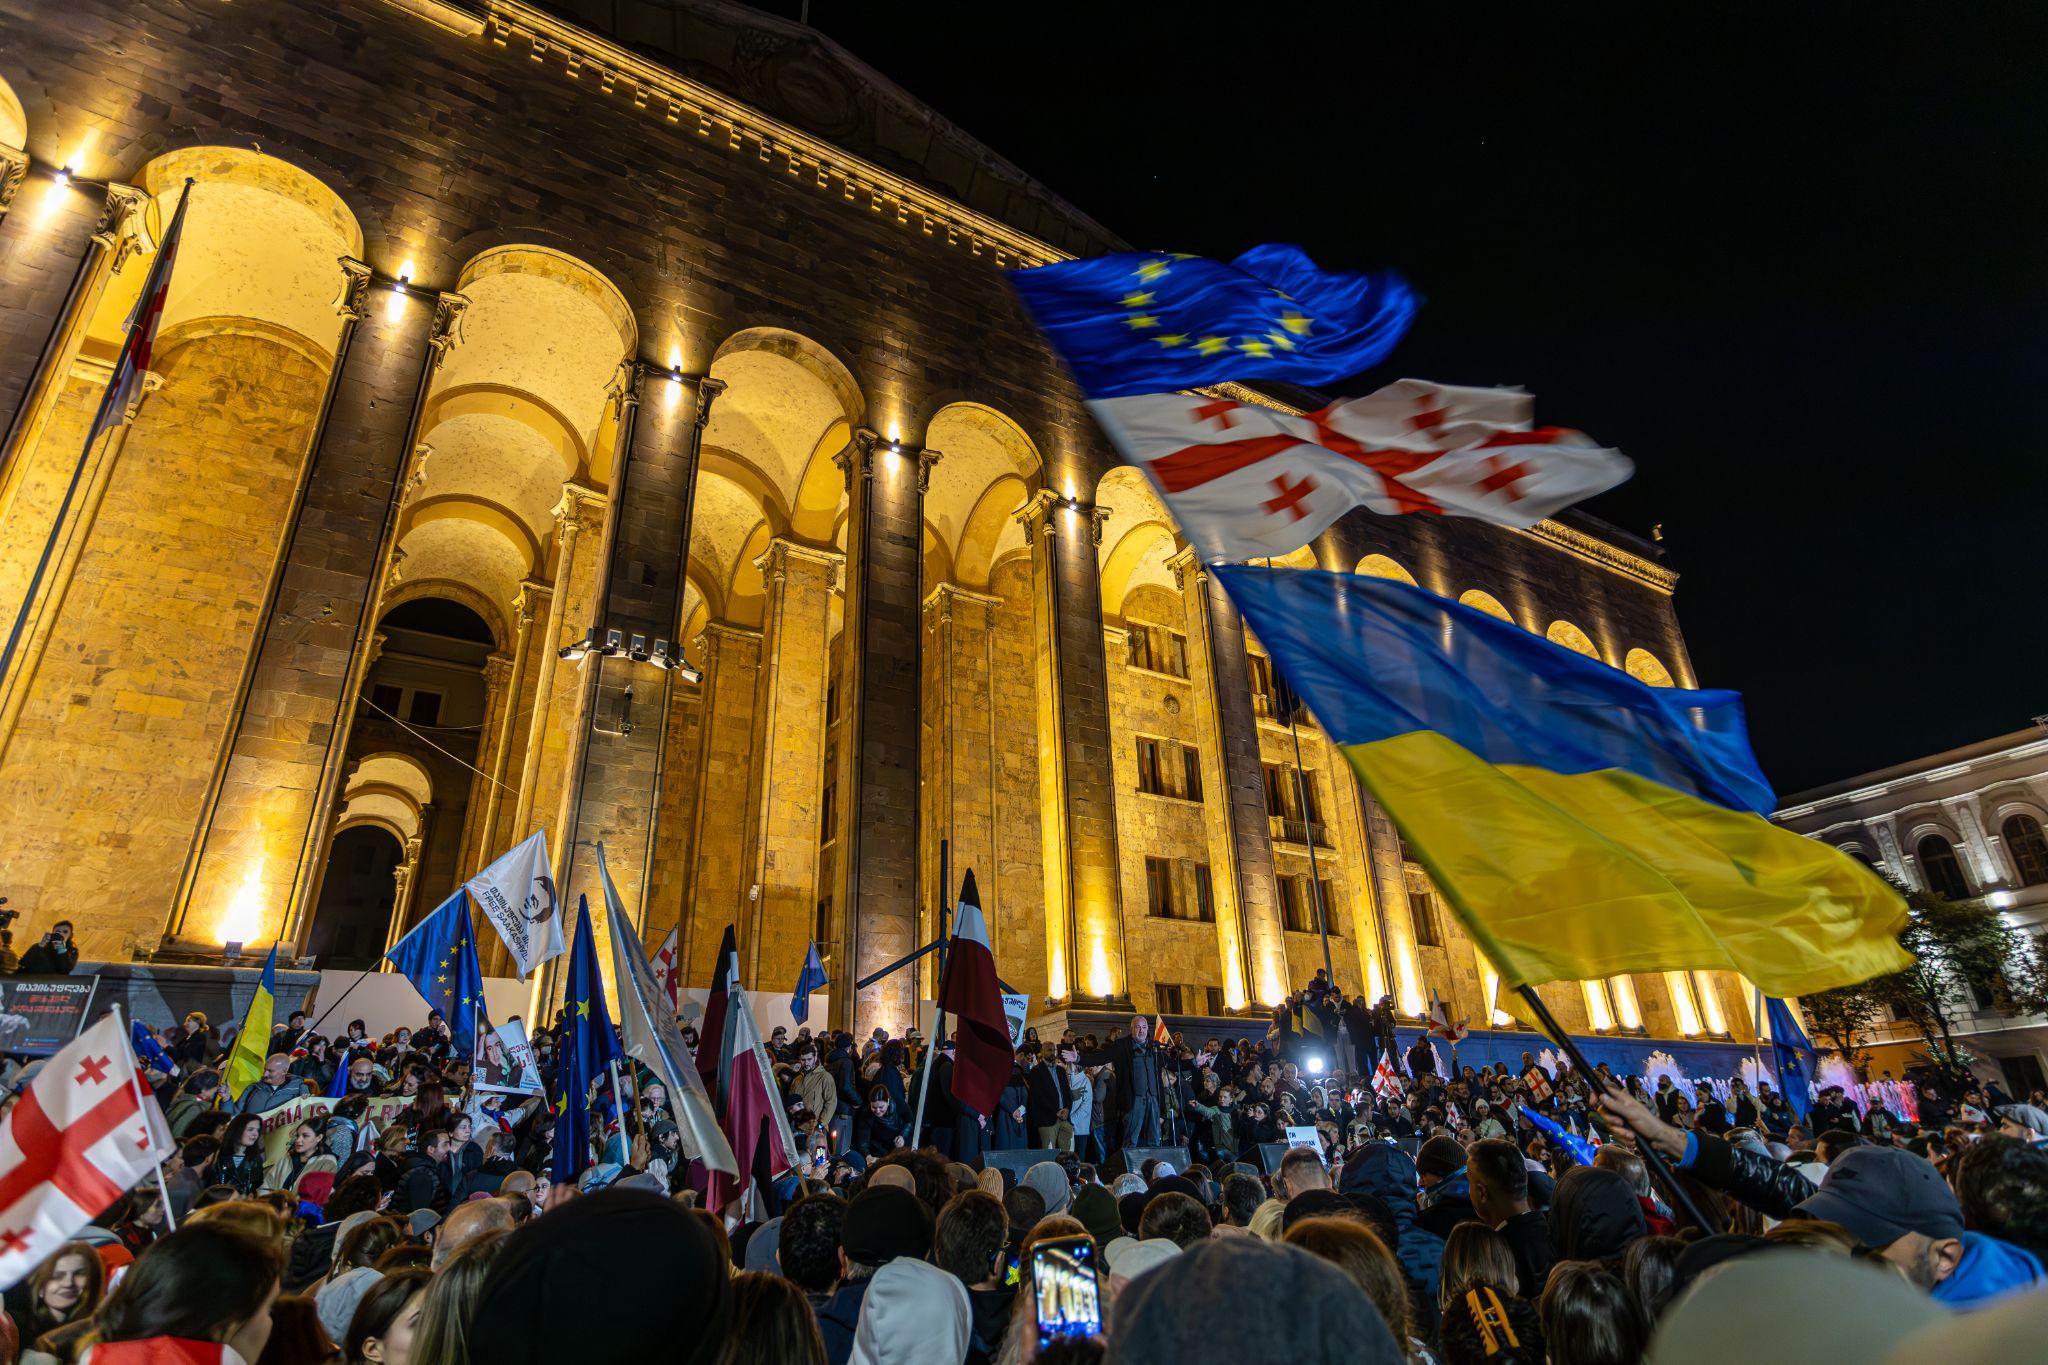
[252,1044]
[1580,823]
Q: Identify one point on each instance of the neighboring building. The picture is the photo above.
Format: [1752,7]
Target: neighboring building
[489,330]
[1965,823]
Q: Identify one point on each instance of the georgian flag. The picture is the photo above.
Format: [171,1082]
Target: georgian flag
[1440,1025]
[665,970]
[1386,1082]
[971,992]
[1246,481]
[79,1137]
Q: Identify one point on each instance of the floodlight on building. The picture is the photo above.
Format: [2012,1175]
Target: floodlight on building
[63,176]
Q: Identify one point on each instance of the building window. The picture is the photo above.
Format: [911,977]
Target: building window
[1263,699]
[2029,849]
[1422,913]
[1940,868]
[821,928]
[388,699]
[1172,998]
[1297,910]
[1159,897]
[1158,650]
[425,708]
[828,807]
[832,701]
[1168,768]
[1329,891]
[1291,806]
[1205,892]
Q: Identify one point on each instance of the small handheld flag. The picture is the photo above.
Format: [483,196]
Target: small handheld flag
[810,977]
[252,1044]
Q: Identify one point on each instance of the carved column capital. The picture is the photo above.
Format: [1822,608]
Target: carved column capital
[354,299]
[497,669]
[13,170]
[926,458]
[623,392]
[151,382]
[581,509]
[529,601]
[708,390]
[1188,570]
[120,228]
[416,477]
[447,329]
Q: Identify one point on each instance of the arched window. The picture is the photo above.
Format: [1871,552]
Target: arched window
[1644,666]
[1486,602]
[1572,638]
[2029,848]
[1380,566]
[1940,868]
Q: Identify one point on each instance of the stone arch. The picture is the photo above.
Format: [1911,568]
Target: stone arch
[13,118]
[1480,600]
[1138,536]
[389,789]
[987,468]
[1572,638]
[489,611]
[788,408]
[1644,666]
[1383,566]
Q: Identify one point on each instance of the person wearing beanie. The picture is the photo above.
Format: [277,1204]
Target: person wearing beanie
[1446,1188]
[1595,1216]
[1096,1210]
[1050,1180]
[1317,1204]
[882,1223]
[913,1314]
[626,1246]
[1192,1307]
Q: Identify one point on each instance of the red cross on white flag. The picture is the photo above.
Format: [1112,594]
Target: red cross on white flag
[1246,481]
[79,1136]
[665,968]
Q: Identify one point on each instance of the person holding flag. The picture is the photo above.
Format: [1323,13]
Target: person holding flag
[972,994]
[252,1044]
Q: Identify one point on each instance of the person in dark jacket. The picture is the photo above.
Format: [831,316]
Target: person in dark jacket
[880,1128]
[1009,1121]
[1446,1199]
[1421,1059]
[1138,1066]
[1594,1216]
[421,1183]
[1500,1199]
[54,954]
[880,1224]
[1384,1171]
[240,1162]
[1045,1101]
[1365,1040]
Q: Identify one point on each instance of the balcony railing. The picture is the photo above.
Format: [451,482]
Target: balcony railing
[1289,830]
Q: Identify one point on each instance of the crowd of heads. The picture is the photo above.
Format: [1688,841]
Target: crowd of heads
[1434,1217]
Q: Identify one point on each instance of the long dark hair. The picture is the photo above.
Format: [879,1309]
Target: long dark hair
[231,1137]
[380,1308]
[772,1324]
[199,1282]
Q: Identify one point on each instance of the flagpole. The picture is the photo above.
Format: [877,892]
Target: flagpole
[1644,1148]
[142,1107]
[931,1052]
[1315,879]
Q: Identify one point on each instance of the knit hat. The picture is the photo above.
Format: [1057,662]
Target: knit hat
[1780,1299]
[1193,1308]
[913,1313]
[761,1247]
[1130,1211]
[619,1246]
[1439,1156]
[1050,1180]
[1135,1256]
[884,1222]
[1095,1207]
[337,1300]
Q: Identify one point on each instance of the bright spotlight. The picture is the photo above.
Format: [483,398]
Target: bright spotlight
[1315,1066]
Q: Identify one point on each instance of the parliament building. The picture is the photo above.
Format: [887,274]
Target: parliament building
[611,418]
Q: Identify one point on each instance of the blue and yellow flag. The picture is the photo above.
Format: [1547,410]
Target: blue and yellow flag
[252,1044]
[439,958]
[1580,823]
[1156,322]
[588,1042]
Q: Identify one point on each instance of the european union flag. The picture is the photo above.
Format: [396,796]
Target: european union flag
[1154,322]
[1792,1050]
[439,958]
[588,1042]
[810,977]
[1581,1150]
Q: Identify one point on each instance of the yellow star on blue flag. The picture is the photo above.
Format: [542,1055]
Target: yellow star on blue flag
[440,961]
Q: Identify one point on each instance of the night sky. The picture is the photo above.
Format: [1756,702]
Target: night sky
[1796,268]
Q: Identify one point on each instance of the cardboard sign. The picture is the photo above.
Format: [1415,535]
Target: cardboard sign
[40,1014]
[1015,1009]
[504,1061]
[1303,1136]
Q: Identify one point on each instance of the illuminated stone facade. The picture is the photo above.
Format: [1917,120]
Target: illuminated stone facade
[488,331]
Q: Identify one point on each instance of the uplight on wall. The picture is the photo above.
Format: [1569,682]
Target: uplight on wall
[394,305]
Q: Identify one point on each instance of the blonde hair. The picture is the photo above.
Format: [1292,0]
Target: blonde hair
[1267,1219]
[1475,1254]
[253,1216]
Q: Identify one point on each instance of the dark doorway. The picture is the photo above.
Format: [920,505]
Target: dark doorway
[355,898]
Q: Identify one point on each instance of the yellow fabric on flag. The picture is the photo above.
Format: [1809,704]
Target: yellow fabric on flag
[252,1044]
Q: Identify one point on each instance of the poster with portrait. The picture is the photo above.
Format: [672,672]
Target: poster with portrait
[504,1061]
[1015,1009]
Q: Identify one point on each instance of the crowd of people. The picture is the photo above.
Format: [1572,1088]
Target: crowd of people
[1441,1213]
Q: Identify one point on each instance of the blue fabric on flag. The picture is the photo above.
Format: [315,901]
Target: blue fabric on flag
[1792,1051]
[588,1042]
[439,958]
[1155,322]
[812,977]
[1581,1150]
[149,1049]
[338,1087]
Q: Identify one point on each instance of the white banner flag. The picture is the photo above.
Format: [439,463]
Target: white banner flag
[77,1138]
[517,895]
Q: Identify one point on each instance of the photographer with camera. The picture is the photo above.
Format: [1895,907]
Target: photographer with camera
[54,954]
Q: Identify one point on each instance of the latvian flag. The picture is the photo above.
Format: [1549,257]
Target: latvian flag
[78,1138]
[971,993]
[1246,481]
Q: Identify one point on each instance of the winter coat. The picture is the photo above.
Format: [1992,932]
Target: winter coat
[1385,1171]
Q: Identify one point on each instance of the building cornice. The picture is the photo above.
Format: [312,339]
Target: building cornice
[1905,782]
[605,66]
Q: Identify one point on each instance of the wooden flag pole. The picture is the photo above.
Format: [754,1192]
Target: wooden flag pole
[1644,1148]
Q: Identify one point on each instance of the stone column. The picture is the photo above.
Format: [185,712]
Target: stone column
[557,701]
[497,715]
[1247,919]
[787,784]
[515,708]
[878,805]
[1083,902]
[403,877]
[54,267]
[1977,853]
[715,855]
[265,831]
[960,767]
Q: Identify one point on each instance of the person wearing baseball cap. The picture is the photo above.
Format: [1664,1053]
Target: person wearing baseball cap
[1891,1201]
